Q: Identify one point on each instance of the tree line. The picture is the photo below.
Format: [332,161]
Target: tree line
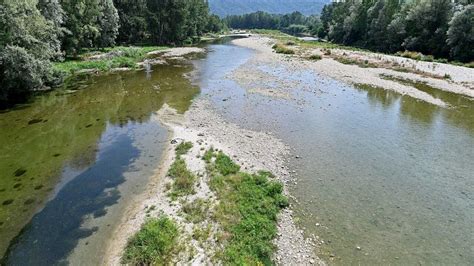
[35,33]
[441,28]
[293,23]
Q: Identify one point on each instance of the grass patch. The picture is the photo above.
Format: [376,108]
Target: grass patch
[202,234]
[154,244]
[183,148]
[246,212]
[183,183]
[315,57]
[196,211]
[350,61]
[281,49]
[124,57]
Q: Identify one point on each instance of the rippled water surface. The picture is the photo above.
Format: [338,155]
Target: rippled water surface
[378,170]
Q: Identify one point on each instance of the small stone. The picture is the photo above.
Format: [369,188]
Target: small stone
[201,135]
[311,261]
[358,248]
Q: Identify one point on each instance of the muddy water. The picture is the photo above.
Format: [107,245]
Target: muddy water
[71,159]
[382,178]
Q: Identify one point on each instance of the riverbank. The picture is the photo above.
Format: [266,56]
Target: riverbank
[363,68]
[123,59]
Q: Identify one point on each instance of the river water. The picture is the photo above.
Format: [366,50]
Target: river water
[71,159]
[380,171]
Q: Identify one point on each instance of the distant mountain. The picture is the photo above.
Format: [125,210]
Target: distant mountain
[238,7]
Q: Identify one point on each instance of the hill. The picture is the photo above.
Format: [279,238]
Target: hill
[238,7]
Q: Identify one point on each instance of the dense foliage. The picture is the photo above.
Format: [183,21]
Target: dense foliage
[435,27]
[294,23]
[34,33]
[238,7]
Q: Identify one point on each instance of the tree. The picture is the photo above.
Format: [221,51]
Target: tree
[28,42]
[426,27]
[108,23]
[461,34]
[81,23]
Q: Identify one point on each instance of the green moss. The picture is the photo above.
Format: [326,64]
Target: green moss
[183,148]
[154,244]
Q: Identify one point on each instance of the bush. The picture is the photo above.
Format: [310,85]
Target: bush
[20,73]
[153,244]
[410,54]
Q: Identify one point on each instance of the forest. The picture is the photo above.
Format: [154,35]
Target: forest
[36,33]
[294,23]
[438,28]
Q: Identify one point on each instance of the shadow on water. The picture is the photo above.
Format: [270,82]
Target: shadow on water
[54,232]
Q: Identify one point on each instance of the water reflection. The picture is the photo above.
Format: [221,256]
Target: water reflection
[64,128]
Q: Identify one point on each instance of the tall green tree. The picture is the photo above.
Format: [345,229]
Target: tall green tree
[108,23]
[461,34]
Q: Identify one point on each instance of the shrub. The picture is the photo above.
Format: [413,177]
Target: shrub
[410,54]
[153,244]
[20,73]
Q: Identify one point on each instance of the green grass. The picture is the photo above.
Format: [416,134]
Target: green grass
[129,57]
[246,212]
[282,49]
[154,244]
[183,148]
[196,211]
[183,179]
[350,61]
[315,57]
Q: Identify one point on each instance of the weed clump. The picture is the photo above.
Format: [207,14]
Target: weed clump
[183,148]
[196,211]
[281,49]
[154,244]
[183,179]
[315,57]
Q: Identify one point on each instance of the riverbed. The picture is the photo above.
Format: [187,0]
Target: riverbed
[377,177]
[381,177]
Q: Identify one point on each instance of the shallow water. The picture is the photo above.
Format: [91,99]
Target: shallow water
[71,159]
[378,170]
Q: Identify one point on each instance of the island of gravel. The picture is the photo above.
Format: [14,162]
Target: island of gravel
[204,129]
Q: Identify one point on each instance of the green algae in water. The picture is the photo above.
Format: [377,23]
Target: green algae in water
[36,151]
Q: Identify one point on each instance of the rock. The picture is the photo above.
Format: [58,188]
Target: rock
[358,248]
[311,261]
[201,135]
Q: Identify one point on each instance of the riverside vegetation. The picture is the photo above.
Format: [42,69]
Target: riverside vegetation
[429,30]
[242,220]
[38,38]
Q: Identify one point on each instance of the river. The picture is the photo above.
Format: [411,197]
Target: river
[376,170]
